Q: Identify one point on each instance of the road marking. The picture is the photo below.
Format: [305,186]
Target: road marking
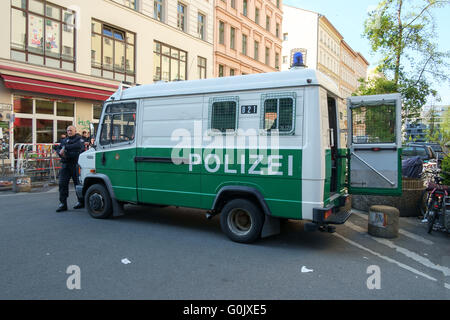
[401,265]
[401,231]
[412,255]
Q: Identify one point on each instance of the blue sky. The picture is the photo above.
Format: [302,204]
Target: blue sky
[348,17]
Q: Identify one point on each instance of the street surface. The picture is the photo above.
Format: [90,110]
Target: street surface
[175,253]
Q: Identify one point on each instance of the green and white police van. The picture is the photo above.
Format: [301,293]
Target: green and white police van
[255,149]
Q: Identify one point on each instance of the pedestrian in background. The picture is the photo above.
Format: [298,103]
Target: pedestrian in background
[69,151]
[86,139]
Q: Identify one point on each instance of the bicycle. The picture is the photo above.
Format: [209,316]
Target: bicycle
[436,207]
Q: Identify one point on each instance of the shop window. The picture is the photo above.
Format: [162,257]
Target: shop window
[23,105]
[23,130]
[65,109]
[44,131]
[44,107]
[43,33]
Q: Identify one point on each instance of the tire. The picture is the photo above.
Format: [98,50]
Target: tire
[431,219]
[98,202]
[422,204]
[242,221]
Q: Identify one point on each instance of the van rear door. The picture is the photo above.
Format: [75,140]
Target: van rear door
[374,144]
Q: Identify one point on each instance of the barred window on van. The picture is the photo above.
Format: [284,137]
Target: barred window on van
[223,114]
[279,113]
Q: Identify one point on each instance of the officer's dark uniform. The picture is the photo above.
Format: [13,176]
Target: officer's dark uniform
[72,146]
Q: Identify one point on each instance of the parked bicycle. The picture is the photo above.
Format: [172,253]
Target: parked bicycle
[435,202]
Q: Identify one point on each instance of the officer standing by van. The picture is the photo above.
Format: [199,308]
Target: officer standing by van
[69,150]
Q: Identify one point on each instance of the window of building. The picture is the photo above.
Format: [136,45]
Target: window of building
[158,10]
[232,72]
[267,23]
[244,7]
[223,114]
[233,4]
[133,4]
[221,32]
[279,113]
[278,4]
[201,26]
[256,51]
[169,63]
[277,30]
[267,56]
[285,36]
[277,61]
[232,37]
[181,15]
[201,64]
[112,52]
[221,72]
[43,33]
[244,44]
[257,15]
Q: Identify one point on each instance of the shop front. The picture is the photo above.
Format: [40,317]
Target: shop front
[43,105]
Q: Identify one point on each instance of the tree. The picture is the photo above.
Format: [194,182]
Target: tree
[403,35]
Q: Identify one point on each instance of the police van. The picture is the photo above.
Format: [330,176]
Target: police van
[255,149]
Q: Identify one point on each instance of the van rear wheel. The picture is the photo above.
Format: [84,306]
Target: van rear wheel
[98,202]
[242,221]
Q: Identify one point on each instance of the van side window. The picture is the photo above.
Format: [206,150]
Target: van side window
[118,124]
[278,113]
[223,114]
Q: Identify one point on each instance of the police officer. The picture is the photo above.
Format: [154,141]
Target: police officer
[69,150]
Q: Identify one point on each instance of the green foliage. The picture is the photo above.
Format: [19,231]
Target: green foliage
[402,32]
[446,170]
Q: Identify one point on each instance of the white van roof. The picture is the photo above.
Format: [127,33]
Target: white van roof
[291,78]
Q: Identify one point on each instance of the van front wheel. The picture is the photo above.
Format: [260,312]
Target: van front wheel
[98,202]
[242,221]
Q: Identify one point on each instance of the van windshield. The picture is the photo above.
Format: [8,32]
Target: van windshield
[118,123]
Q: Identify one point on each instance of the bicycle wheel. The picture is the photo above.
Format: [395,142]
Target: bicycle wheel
[431,219]
[423,202]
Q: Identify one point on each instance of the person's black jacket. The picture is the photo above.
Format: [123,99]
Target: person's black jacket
[73,146]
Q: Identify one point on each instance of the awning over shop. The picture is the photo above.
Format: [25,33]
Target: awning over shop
[55,88]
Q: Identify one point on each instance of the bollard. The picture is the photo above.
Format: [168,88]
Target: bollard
[383,221]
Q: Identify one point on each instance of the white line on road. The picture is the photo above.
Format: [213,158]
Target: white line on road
[401,265]
[418,258]
[401,231]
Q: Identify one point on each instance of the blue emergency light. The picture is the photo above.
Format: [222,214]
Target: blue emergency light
[298,60]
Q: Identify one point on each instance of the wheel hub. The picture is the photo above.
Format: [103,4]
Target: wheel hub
[96,202]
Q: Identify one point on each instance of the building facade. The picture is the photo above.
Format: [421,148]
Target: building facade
[61,59]
[247,37]
[323,48]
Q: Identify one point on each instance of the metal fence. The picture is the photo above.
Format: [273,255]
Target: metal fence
[39,162]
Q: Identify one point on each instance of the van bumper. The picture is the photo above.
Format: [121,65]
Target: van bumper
[331,215]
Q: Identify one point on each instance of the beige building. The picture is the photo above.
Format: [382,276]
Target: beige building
[60,59]
[247,37]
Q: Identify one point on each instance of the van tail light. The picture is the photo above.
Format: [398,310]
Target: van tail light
[328,214]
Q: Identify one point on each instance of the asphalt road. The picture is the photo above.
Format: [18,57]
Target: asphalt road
[175,253]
